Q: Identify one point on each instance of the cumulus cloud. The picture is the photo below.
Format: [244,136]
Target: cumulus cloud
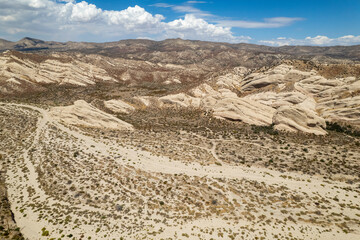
[70,20]
[318,40]
[193,27]
[133,18]
[314,41]
[84,12]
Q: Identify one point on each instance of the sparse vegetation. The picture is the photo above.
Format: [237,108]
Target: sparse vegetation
[342,128]
[182,173]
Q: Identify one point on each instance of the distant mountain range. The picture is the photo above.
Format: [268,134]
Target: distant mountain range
[141,49]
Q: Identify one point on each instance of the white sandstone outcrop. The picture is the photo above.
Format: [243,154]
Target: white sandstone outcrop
[26,73]
[277,75]
[83,114]
[224,104]
[181,100]
[293,118]
[291,105]
[247,111]
[147,101]
[337,99]
[119,106]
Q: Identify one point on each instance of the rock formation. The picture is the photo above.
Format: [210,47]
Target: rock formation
[83,114]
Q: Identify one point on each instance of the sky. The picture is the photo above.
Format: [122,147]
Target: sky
[267,22]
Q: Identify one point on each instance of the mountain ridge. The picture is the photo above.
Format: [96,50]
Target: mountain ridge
[118,48]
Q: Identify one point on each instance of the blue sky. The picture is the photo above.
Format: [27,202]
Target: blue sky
[290,22]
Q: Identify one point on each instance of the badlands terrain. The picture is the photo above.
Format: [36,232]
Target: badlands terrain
[178,139]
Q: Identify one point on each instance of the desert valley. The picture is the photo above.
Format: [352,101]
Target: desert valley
[179,139]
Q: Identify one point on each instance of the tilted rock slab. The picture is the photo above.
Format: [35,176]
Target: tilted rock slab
[293,119]
[293,109]
[83,114]
[119,106]
[224,104]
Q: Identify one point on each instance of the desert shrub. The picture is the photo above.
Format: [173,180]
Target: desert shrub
[45,232]
[265,129]
[346,129]
[119,207]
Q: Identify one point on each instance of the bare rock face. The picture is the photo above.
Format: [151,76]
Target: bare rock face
[276,76]
[232,80]
[224,103]
[119,106]
[287,98]
[247,111]
[295,111]
[20,72]
[293,119]
[83,114]
[308,93]
[181,100]
[26,73]
[341,110]
[337,99]
[277,100]
[148,101]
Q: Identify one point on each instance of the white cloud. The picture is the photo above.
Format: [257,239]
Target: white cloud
[276,43]
[275,22]
[192,27]
[185,8]
[349,39]
[318,40]
[133,18]
[314,41]
[38,3]
[146,38]
[84,12]
[162,5]
[194,2]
